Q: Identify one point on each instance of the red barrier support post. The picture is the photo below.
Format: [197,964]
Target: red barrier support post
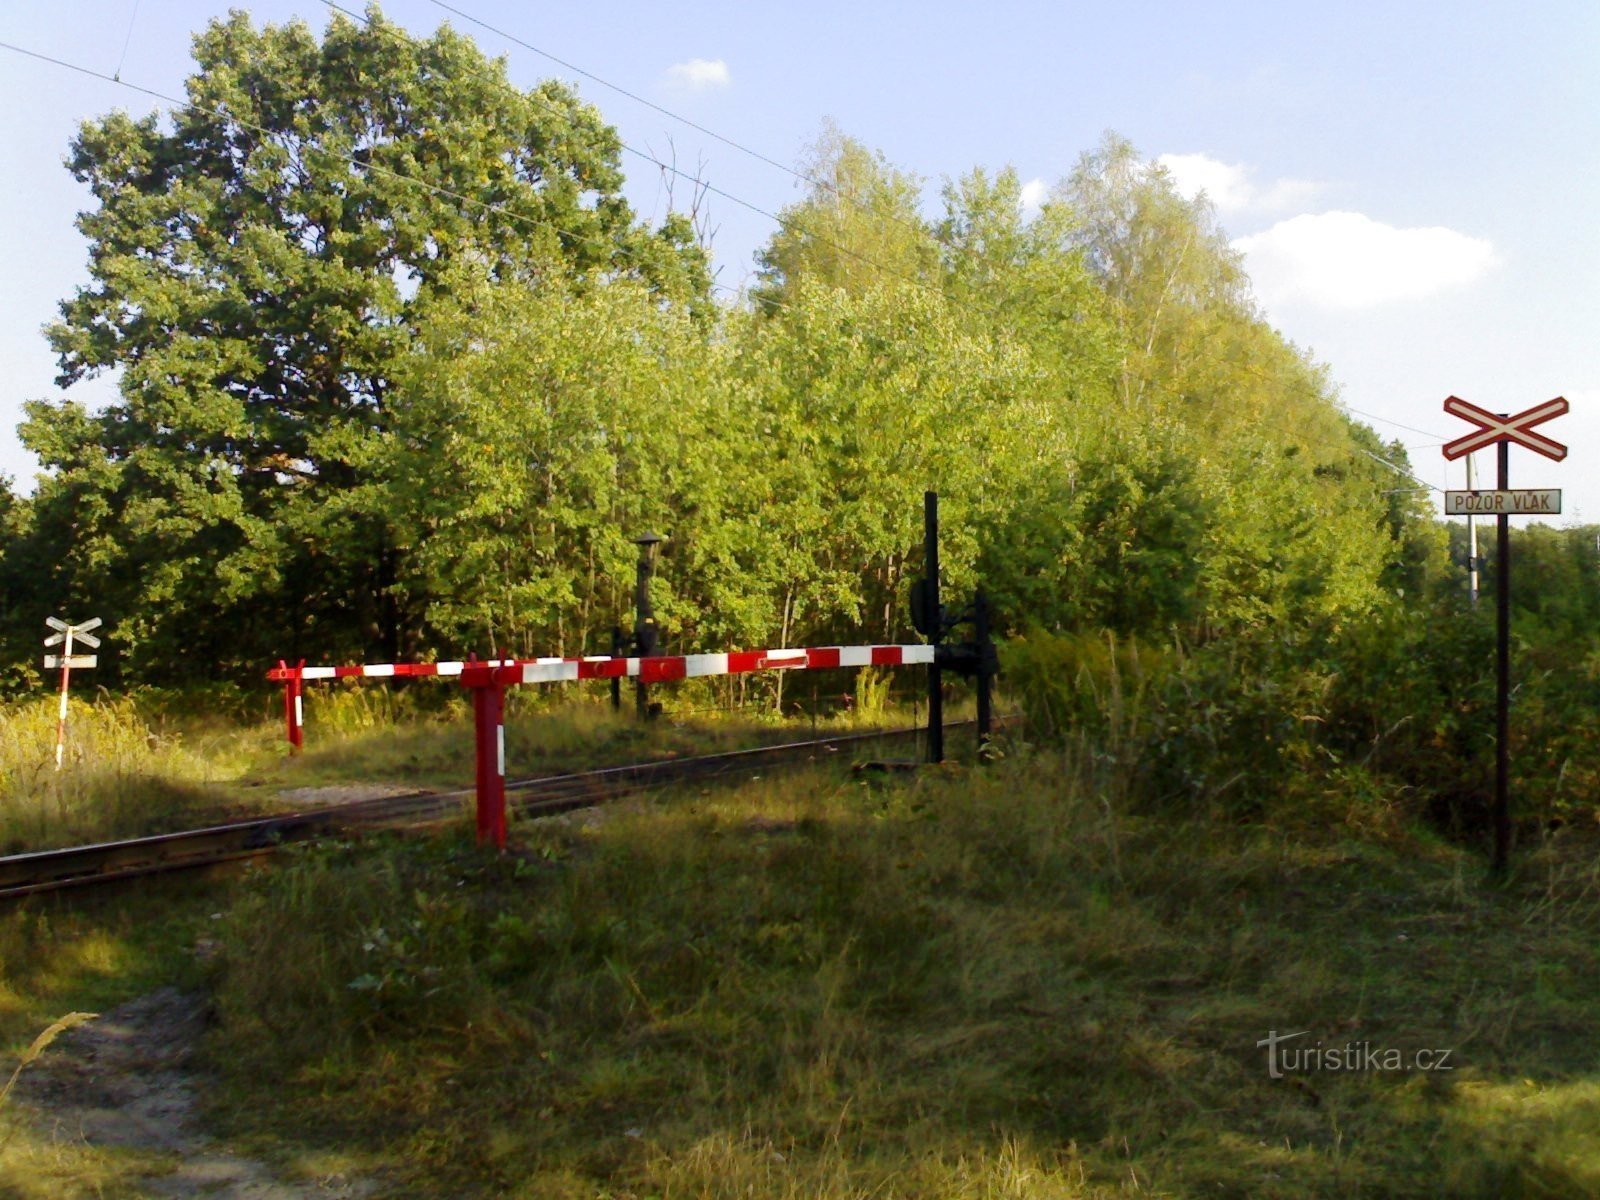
[294,713]
[488,710]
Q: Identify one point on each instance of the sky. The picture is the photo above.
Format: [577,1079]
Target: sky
[1415,186]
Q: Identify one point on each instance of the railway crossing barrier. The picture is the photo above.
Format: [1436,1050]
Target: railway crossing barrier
[295,677]
[490,681]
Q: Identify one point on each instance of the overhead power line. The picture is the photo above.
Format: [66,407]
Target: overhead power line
[778,219]
[1396,424]
[757,155]
[622,91]
[126,42]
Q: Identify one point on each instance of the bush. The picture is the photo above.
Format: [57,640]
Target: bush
[1402,703]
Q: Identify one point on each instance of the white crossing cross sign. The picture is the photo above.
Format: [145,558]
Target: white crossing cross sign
[78,633]
[1501,430]
[1494,427]
[66,662]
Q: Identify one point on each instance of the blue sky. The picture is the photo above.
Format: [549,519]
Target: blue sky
[1416,186]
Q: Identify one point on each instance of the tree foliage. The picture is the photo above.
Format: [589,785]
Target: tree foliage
[858,227]
[401,373]
[257,266]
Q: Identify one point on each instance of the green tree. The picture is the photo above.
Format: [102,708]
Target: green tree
[256,266]
[858,227]
[543,426]
[1173,282]
[21,608]
[1027,281]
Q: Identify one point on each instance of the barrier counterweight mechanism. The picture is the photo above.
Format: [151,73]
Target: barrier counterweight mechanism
[646,634]
[975,657]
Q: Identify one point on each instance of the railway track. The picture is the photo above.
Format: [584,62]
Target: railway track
[106,862]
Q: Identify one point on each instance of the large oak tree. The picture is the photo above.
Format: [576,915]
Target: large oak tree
[256,262]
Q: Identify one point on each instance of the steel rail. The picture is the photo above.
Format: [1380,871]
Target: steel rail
[105,862]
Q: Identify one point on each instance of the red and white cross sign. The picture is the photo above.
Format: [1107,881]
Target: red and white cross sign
[1518,428]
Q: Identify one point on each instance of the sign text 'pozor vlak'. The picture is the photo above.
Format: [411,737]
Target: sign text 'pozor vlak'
[1518,502]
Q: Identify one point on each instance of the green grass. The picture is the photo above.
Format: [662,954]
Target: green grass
[89,953]
[1025,982]
[973,985]
[153,762]
[120,775]
[356,739]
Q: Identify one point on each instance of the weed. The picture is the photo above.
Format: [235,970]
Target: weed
[119,776]
[40,1044]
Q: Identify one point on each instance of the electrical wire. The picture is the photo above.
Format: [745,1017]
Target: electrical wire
[757,155]
[1397,424]
[126,42]
[709,188]
[622,91]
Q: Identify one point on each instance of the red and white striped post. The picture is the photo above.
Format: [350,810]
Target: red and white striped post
[296,677]
[489,738]
[63,636]
[294,709]
[489,681]
[61,719]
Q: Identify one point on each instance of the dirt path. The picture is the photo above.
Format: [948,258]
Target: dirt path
[335,794]
[126,1080]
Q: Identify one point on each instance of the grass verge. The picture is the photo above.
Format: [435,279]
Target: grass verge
[59,956]
[1002,984]
[153,762]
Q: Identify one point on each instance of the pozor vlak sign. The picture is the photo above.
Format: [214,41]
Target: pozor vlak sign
[1502,430]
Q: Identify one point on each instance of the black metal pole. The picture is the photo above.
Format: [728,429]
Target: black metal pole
[616,682]
[646,638]
[1502,716]
[930,558]
[985,656]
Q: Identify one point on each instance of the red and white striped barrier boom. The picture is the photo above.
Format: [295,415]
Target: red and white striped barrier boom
[489,681]
[295,677]
[379,670]
[663,668]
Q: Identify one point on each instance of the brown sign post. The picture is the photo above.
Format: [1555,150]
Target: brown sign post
[1500,430]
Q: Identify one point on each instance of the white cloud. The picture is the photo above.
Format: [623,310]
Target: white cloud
[1227,186]
[1033,195]
[699,75]
[1286,194]
[1230,186]
[1346,260]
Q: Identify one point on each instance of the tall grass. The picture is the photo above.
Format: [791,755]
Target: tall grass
[118,775]
[1001,984]
[154,759]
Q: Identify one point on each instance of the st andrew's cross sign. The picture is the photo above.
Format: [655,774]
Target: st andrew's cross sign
[1494,427]
[1503,430]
